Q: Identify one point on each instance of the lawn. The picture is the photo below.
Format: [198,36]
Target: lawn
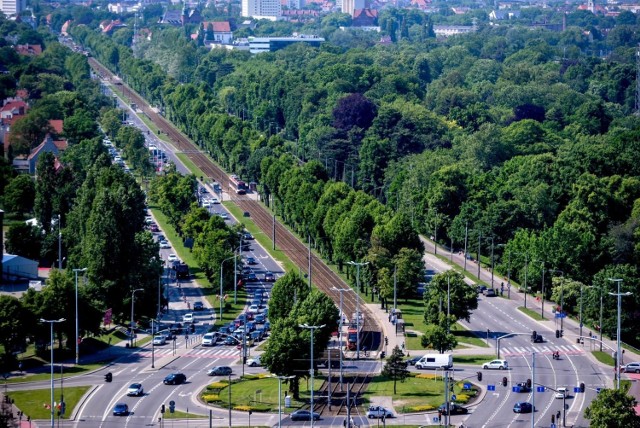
[533,314]
[472,359]
[177,414]
[69,371]
[422,393]
[604,357]
[32,402]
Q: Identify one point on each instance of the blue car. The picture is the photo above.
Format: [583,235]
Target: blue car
[522,407]
[121,409]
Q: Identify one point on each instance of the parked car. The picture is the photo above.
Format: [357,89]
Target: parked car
[522,407]
[175,379]
[254,362]
[455,409]
[375,412]
[135,389]
[187,318]
[165,244]
[121,409]
[304,415]
[481,289]
[496,364]
[198,306]
[414,360]
[159,340]
[209,339]
[220,371]
[490,292]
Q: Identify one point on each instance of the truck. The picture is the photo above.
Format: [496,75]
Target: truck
[332,355]
[182,270]
[435,361]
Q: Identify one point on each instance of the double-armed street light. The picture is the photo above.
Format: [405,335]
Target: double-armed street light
[133,300]
[358,265]
[552,271]
[75,271]
[618,351]
[51,322]
[280,379]
[312,329]
[221,266]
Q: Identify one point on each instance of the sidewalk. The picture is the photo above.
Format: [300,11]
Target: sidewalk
[571,326]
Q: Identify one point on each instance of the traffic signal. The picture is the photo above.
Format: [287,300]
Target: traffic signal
[504,381]
[581,386]
[528,383]
[162,409]
[479,376]
[561,333]
[557,334]
[553,419]
[63,407]
[386,340]
[108,377]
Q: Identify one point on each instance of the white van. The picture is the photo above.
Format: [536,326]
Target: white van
[435,361]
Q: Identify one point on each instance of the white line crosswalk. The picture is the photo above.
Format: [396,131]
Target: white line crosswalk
[195,353]
[544,350]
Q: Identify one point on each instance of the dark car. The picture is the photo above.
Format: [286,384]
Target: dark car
[522,387]
[260,318]
[247,236]
[537,339]
[246,247]
[246,270]
[256,335]
[198,306]
[522,407]
[230,341]
[414,360]
[175,379]
[220,371]
[175,328]
[304,415]
[269,277]
[251,261]
[121,409]
[455,409]
[252,277]
[489,292]
[481,289]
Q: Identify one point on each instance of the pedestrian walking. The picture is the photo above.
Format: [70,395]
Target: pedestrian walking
[439,416]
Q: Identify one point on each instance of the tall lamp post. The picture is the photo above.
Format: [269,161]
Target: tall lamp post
[133,300]
[221,266]
[357,265]
[53,408]
[618,351]
[75,271]
[280,379]
[552,271]
[340,290]
[313,329]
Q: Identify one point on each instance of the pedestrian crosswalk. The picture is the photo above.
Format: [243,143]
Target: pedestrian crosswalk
[195,353]
[512,351]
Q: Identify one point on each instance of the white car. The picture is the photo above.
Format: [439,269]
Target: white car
[206,204]
[172,258]
[187,318]
[135,389]
[254,309]
[165,244]
[254,362]
[631,368]
[214,201]
[378,412]
[209,339]
[224,215]
[562,392]
[159,340]
[496,364]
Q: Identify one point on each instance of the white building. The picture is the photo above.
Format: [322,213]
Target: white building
[350,6]
[16,267]
[262,9]
[12,7]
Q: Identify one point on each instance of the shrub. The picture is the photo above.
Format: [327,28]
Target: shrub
[423,408]
[211,398]
[427,376]
[462,398]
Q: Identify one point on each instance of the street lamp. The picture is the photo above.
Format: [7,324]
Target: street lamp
[221,266]
[280,379]
[75,271]
[133,300]
[313,328]
[340,290]
[552,271]
[357,265]
[618,352]
[51,322]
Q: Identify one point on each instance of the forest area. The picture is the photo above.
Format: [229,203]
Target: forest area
[521,137]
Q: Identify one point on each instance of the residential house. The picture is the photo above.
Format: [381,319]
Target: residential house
[221,32]
[28,164]
[503,15]
[29,50]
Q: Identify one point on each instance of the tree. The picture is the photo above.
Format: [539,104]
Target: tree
[13,319]
[462,297]
[396,367]
[24,240]
[20,194]
[613,408]
[287,290]
[354,110]
[436,337]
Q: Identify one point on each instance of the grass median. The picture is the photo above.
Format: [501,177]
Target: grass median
[34,402]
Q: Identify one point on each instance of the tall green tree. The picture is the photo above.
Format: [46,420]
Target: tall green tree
[286,292]
[463,299]
[437,338]
[613,408]
[20,193]
[395,368]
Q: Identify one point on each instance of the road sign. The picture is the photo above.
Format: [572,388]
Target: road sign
[491,387]
[561,315]
[467,386]
[576,389]
[515,388]
[539,388]
[598,390]
[172,403]
[453,398]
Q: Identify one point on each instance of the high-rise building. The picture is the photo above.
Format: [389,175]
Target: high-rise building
[269,9]
[12,7]
[350,6]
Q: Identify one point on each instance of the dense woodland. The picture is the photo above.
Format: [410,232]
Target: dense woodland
[524,138]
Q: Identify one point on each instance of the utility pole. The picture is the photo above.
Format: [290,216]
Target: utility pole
[309,237]
[341,290]
[618,330]
[312,329]
[357,265]
[75,271]
[466,236]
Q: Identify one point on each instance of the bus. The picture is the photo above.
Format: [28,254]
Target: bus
[238,185]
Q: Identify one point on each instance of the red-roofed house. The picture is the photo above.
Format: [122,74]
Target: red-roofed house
[30,50]
[221,31]
[13,107]
[365,18]
[57,125]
